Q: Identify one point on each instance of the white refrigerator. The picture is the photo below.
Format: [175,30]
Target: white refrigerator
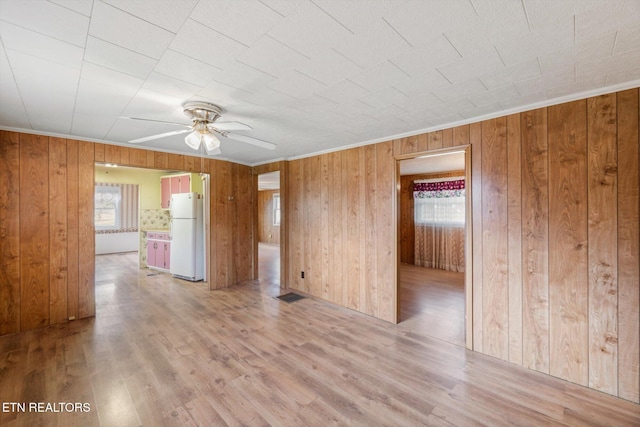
[187,236]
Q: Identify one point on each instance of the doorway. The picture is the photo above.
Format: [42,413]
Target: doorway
[434,262]
[268,232]
[135,217]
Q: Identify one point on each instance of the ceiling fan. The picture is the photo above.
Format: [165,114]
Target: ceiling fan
[204,127]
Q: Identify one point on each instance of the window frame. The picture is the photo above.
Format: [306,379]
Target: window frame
[117,208]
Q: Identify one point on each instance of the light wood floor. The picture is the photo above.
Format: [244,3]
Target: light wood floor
[163,351]
[432,302]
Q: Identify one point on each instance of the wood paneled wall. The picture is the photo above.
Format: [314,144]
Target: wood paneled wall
[340,211]
[232,216]
[555,206]
[407,224]
[267,232]
[47,236]
[46,228]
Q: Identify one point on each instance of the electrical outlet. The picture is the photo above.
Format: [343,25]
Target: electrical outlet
[302,274]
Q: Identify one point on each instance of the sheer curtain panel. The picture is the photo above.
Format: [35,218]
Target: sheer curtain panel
[439,218]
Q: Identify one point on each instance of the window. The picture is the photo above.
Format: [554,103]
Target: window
[439,202]
[107,204]
[116,208]
[276,210]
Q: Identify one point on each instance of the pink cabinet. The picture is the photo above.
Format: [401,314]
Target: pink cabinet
[165,189]
[185,184]
[151,252]
[173,184]
[158,250]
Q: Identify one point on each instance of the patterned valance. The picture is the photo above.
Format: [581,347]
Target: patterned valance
[438,188]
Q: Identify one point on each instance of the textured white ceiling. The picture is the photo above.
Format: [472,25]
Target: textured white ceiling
[307,75]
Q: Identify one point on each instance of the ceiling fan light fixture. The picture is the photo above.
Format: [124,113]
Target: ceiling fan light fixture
[210,141]
[193,139]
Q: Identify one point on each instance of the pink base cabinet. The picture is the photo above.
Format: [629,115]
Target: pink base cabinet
[158,250]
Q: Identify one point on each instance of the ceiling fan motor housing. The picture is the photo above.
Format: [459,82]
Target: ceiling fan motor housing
[199,111]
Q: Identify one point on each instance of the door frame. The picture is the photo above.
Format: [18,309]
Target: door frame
[468,234]
[282,167]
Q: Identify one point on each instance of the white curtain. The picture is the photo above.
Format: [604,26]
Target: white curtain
[439,216]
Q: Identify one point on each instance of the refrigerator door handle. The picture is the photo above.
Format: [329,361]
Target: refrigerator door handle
[171,229]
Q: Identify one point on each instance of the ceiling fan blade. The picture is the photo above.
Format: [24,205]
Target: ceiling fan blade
[249,140]
[155,121]
[158,136]
[231,126]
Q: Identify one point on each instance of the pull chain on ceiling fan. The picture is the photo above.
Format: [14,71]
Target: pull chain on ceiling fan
[204,128]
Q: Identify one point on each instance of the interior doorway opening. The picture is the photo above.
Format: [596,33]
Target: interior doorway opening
[133,222]
[433,242]
[270,221]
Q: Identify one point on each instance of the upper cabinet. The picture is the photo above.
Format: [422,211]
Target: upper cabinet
[174,184]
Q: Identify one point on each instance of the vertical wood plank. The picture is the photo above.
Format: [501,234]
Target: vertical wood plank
[307,212]
[175,161]
[192,164]
[475,139]
[344,209]
[628,246]
[266,231]
[211,166]
[409,144]
[284,224]
[99,152]
[325,264]
[34,231]
[447,138]
[397,147]
[603,260]
[370,295]
[86,231]
[222,238]
[297,222]
[111,153]
[354,265]
[495,292]
[514,201]
[137,157]
[336,218]
[160,160]
[151,156]
[313,250]
[535,241]
[9,232]
[434,140]
[233,211]
[72,229]
[58,230]
[422,143]
[386,235]
[124,155]
[568,285]
[461,135]
[362,298]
